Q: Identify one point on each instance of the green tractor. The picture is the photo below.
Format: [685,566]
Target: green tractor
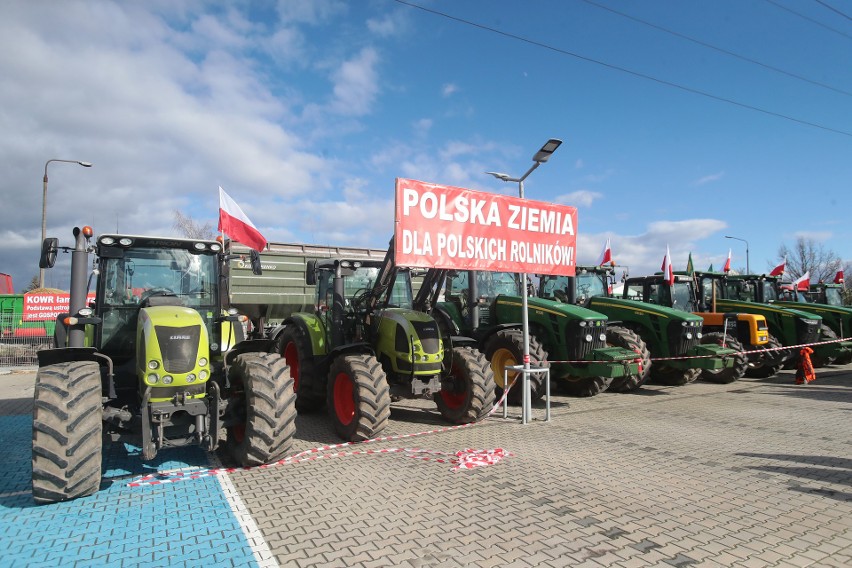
[836,320]
[365,345]
[788,325]
[670,335]
[572,340]
[157,359]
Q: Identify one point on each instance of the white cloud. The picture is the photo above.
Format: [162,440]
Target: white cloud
[449,89]
[393,24]
[356,84]
[708,179]
[581,198]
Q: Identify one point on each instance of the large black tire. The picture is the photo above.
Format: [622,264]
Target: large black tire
[729,374]
[467,395]
[583,386]
[505,349]
[297,352]
[672,377]
[67,431]
[358,397]
[770,364]
[818,358]
[626,339]
[270,409]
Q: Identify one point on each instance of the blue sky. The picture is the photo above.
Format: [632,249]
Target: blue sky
[306,112]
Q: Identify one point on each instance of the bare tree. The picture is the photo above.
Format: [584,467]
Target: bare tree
[807,255]
[33,285]
[192,229]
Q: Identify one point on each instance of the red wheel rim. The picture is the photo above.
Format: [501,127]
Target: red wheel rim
[454,398]
[239,432]
[344,398]
[291,355]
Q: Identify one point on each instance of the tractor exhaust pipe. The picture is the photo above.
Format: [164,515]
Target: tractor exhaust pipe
[79,284]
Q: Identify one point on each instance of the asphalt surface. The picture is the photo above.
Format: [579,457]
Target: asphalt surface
[756,473]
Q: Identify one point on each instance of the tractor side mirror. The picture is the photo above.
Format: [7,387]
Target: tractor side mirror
[311,273]
[49,248]
[256,267]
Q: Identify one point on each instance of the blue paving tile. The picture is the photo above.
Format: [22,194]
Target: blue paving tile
[177,524]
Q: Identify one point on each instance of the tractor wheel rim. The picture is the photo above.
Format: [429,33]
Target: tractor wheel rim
[291,355]
[456,395]
[344,398]
[503,358]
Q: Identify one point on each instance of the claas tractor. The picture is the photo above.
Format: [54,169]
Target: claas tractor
[788,326]
[156,359]
[747,334]
[365,346]
[672,336]
[571,340]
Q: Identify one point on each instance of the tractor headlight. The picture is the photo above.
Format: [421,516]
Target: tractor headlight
[689,335]
[699,335]
[153,365]
[107,240]
[588,338]
[602,337]
[582,324]
[202,362]
[203,375]
[152,379]
[125,242]
[190,378]
[684,323]
[168,379]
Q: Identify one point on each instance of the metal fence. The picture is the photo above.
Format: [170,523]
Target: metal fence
[19,341]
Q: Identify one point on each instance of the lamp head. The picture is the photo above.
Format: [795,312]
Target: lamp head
[500,176]
[549,148]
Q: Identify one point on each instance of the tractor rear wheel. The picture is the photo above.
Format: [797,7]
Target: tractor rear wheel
[626,339]
[467,395]
[67,431]
[583,386]
[270,409]
[768,364]
[818,359]
[296,350]
[729,374]
[674,377]
[506,349]
[358,397]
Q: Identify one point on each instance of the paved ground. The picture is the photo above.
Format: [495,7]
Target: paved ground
[757,473]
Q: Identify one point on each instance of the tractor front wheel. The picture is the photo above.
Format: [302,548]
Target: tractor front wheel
[467,395]
[628,339]
[729,374]
[767,364]
[358,397]
[296,350]
[67,431]
[270,409]
[818,359]
[506,349]
[674,377]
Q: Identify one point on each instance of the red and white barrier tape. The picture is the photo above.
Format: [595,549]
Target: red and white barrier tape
[464,459]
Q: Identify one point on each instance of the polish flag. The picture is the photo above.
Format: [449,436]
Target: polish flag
[668,271]
[728,263]
[236,224]
[803,283]
[779,270]
[606,255]
[838,278]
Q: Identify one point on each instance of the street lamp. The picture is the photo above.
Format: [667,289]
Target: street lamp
[44,207]
[748,268]
[539,158]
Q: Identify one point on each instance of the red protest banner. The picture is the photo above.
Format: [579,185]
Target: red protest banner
[439,226]
[46,306]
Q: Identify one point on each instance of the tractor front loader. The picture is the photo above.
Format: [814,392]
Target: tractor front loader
[365,345]
[157,360]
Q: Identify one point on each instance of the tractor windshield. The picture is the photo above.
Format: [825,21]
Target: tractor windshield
[682,296]
[833,297]
[769,292]
[590,285]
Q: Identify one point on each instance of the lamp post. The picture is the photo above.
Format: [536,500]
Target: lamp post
[748,268]
[44,207]
[539,158]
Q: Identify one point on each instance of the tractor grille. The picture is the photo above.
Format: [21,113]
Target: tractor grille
[578,348]
[179,347]
[807,330]
[427,332]
[678,341]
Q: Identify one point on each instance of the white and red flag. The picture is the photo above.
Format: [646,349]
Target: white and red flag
[668,271]
[803,282]
[779,270]
[838,278]
[606,255]
[728,263]
[236,224]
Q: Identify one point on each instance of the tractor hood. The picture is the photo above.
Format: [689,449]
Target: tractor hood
[613,305]
[509,305]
